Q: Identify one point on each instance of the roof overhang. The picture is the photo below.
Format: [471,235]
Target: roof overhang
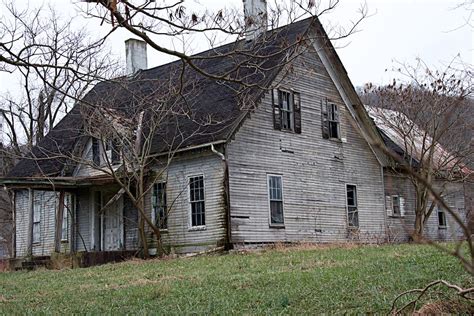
[55,182]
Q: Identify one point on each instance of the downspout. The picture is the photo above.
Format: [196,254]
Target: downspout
[228,244]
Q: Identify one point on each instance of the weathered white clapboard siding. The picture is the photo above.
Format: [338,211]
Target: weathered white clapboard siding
[453,194]
[22,222]
[314,179]
[180,237]
[401,228]
[48,201]
[86,169]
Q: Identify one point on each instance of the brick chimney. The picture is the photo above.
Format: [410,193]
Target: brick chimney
[255,12]
[135,54]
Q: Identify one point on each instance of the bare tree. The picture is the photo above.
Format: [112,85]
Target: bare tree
[41,37]
[429,117]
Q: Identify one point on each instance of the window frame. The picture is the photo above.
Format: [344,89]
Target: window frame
[164,207]
[290,112]
[34,222]
[356,206]
[395,214]
[337,121]
[275,225]
[439,211]
[190,215]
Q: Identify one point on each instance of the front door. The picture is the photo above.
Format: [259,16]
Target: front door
[112,224]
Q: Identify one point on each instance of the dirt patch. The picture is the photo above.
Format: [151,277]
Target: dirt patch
[445,307]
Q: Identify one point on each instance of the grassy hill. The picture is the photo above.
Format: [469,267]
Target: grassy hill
[300,280]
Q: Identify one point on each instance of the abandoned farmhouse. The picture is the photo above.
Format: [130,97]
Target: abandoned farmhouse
[284,155]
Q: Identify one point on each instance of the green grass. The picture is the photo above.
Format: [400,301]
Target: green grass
[289,281]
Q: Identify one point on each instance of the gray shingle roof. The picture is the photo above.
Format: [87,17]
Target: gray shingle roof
[222,100]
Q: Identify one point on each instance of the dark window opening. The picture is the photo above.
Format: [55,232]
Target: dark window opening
[441,218]
[333,121]
[286,106]
[396,205]
[352,211]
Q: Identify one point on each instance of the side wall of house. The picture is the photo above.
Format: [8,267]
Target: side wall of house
[400,228]
[180,237]
[45,203]
[315,171]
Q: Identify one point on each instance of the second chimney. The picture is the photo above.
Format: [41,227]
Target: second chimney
[135,54]
[255,12]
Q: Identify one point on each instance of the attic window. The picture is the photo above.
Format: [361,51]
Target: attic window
[286,110]
[330,120]
[95,151]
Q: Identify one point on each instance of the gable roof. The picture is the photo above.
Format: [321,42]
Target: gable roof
[208,97]
[396,126]
[258,63]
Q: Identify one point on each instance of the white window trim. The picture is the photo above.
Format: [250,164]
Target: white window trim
[347,207]
[282,225]
[153,217]
[33,222]
[190,209]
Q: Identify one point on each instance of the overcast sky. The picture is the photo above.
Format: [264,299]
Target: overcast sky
[398,30]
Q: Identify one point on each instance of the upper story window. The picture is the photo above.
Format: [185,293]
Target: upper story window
[352,210]
[286,110]
[103,152]
[330,120]
[160,214]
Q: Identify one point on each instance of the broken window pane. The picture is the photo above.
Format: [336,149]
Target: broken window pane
[352,210]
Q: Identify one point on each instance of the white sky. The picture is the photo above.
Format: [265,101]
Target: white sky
[398,30]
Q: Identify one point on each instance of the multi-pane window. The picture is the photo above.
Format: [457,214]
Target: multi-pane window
[396,205]
[160,214]
[196,199]
[286,105]
[333,120]
[286,110]
[352,211]
[275,194]
[441,218]
[37,206]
